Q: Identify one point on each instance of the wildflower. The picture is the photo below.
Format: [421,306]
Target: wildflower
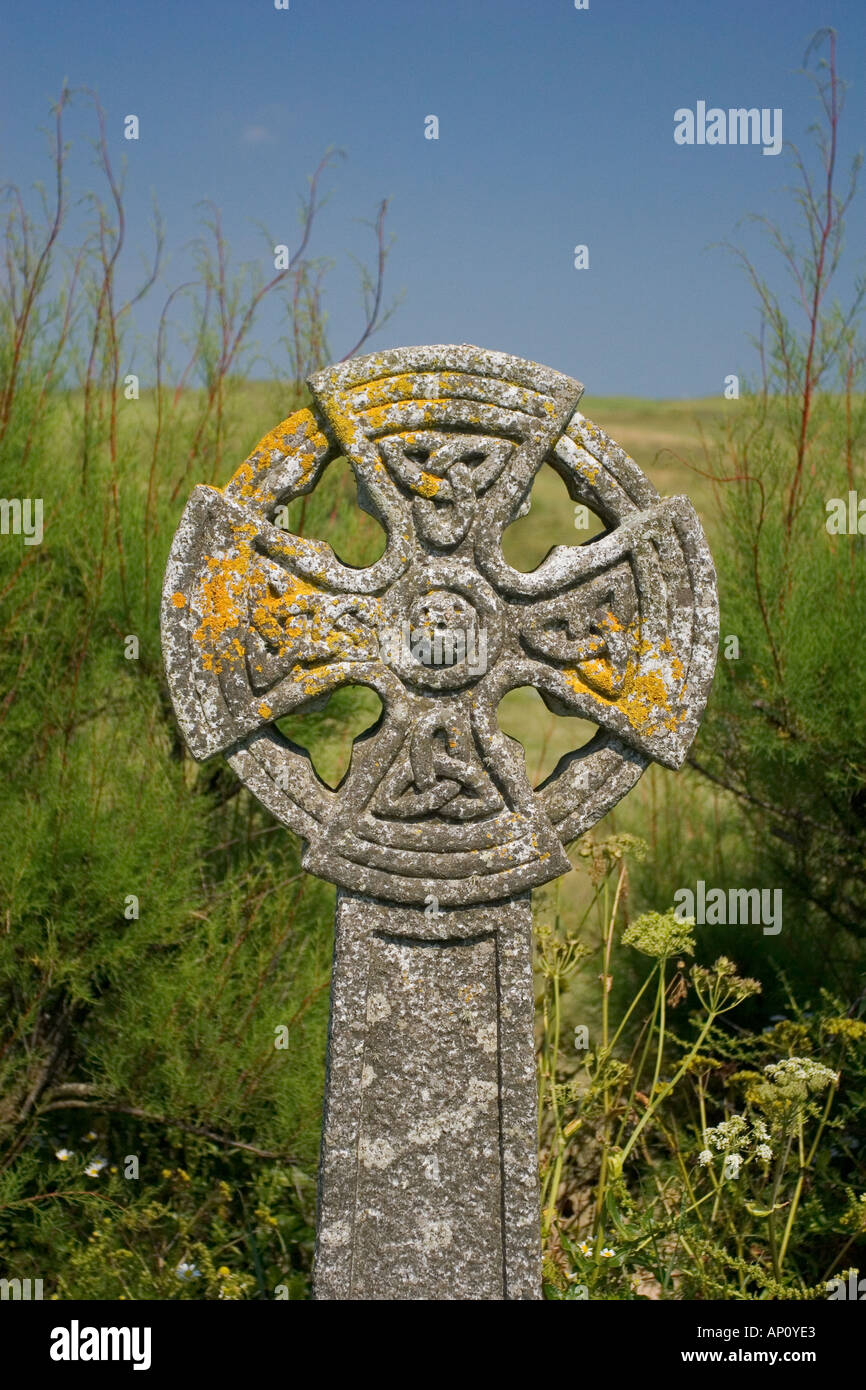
[63,1154]
[738,1136]
[705,1157]
[90,1136]
[95,1167]
[719,987]
[699,1063]
[223,1272]
[187,1271]
[764,1153]
[607,1253]
[850,1028]
[604,854]
[166,1172]
[789,1037]
[728,1135]
[799,1076]
[585,1248]
[733,1164]
[661,935]
[855,1216]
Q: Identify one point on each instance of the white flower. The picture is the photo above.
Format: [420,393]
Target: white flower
[733,1163]
[727,1135]
[63,1154]
[741,1134]
[95,1167]
[90,1135]
[764,1152]
[814,1076]
[187,1271]
[585,1248]
[607,1253]
[705,1157]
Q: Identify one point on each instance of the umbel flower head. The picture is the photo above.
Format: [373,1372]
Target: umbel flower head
[785,1090]
[739,1137]
[851,1029]
[719,987]
[800,1076]
[660,934]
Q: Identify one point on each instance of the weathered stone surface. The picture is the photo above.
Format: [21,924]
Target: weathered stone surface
[436,810]
[428,1185]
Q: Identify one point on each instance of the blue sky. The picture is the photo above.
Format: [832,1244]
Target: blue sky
[555,128]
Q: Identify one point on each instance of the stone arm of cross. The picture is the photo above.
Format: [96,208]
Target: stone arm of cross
[275,622]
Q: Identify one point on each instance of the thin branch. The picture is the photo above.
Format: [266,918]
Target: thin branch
[374,299]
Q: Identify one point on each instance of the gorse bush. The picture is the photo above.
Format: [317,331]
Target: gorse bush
[786,724]
[164,962]
[778,799]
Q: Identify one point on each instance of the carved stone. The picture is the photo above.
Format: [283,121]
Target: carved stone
[428,1181]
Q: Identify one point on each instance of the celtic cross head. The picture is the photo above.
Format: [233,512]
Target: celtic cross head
[445,443]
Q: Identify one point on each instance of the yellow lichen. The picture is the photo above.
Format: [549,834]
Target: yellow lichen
[280,440]
[222,603]
[642,694]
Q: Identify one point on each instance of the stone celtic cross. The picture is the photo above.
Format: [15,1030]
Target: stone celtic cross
[434,837]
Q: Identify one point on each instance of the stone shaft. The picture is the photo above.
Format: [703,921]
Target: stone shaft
[428,1184]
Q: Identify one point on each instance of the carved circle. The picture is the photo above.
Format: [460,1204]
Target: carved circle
[449,623]
[440,712]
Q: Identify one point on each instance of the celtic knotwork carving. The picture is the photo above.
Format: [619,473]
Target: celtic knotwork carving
[445,443]
[437,770]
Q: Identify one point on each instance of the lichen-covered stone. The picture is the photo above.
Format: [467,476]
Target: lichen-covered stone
[436,811]
[428,1184]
